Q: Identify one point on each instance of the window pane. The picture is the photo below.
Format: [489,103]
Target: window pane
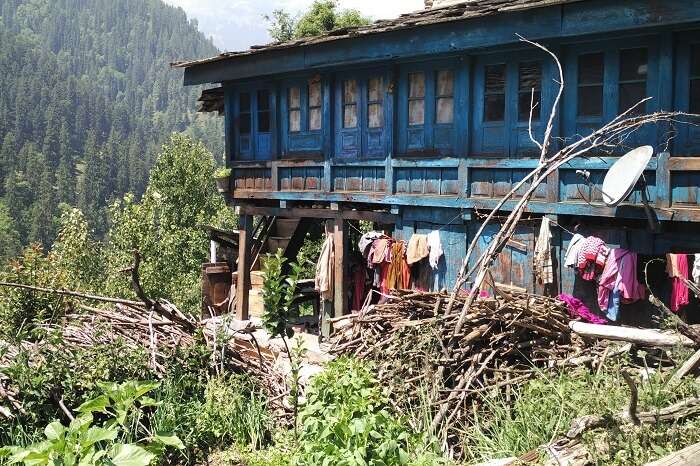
[315,94]
[590,101]
[350,92]
[525,101]
[695,96]
[295,121]
[495,78]
[263,100]
[350,116]
[630,94]
[375,89]
[445,110]
[590,68]
[244,123]
[416,112]
[376,115]
[494,107]
[416,85]
[695,60]
[294,97]
[445,83]
[633,64]
[529,77]
[264,122]
[315,119]
[244,100]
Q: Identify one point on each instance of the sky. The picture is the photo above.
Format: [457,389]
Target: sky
[238,24]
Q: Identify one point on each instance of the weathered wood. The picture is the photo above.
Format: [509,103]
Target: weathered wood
[689,456]
[244,258]
[340,301]
[690,365]
[640,336]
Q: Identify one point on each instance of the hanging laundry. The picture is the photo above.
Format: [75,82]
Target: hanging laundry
[396,278]
[434,248]
[696,269]
[571,257]
[618,282]
[358,274]
[422,275]
[591,257]
[417,249]
[543,254]
[323,283]
[579,310]
[381,248]
[677,269]
[366,241]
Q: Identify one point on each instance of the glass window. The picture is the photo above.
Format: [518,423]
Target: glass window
[494,92]
[263,111]
[445,96]
[529,82]
[294,109]
[315,105]
[695,78]
[416,99]
[591,69]
[633,79]
[350,104]
[244,113]
[375,102]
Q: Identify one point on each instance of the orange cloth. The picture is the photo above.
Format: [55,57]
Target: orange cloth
[396,276]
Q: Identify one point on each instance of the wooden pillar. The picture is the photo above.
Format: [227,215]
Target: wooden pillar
[245,233]
[340,302]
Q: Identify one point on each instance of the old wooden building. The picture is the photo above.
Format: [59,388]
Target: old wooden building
[421,123]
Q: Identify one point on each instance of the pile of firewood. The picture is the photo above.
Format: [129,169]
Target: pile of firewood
[503,342]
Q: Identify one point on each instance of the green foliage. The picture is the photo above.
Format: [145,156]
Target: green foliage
[88,98]
[85,442]
[222,172]
[164,226]
[10,244]
[346,420]
[321,17]
[279,294]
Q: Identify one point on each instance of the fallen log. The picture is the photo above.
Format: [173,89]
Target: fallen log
[688,366]
[685,457]
[641,336]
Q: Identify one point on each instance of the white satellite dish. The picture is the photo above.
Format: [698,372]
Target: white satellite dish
[624,174]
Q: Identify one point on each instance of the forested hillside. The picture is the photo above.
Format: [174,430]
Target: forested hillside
[86,99]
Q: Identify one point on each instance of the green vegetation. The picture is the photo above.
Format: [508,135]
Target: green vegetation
[222,173]
[322,16]
[88,97]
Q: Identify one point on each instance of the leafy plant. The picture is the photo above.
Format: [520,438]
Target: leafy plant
[280,294]
[83,442]
[222,172]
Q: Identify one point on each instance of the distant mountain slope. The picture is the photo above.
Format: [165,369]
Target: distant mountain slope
[86,98]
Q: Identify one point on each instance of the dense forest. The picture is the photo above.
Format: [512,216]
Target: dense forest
[87,97]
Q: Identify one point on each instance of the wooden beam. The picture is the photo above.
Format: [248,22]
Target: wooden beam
[642,336]
[245,233]
[340,303]
[685,457]
[300,212]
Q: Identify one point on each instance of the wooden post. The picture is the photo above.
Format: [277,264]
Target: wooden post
[340,302]
[243,284]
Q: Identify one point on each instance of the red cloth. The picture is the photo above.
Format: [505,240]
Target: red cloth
[358,295]
[591,257]
[679,290]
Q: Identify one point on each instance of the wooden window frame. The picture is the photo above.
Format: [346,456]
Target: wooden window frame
[260,145]
[306,143]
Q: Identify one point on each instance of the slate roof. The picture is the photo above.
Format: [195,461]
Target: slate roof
[458,12]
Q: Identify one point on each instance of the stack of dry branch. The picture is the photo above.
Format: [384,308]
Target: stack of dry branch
[504,342]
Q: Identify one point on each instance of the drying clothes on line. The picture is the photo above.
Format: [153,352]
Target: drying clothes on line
[543,254]
[323,282]
[417,249]
[422,275]
[380,252]
[579,310]
[591,257]
[366,241]
[618,282]
[399,274]
[696,269]
[571,258]
[434,248]
[677,269]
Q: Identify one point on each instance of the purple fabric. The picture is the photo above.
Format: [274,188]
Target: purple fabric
[620,273]
[579,310]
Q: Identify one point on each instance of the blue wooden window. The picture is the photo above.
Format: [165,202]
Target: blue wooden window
[304,115]
[428,94]
[508,91]
[253,109]
[604,79]
[360,115]
[687,92]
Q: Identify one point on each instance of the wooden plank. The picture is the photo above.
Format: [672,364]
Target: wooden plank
[299,212]
[635,335]
[685,457]
[340,303]
[244,262]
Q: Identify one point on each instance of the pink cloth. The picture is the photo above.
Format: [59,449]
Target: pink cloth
[679,291]
[591,257]
[620,272]
[579,310]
